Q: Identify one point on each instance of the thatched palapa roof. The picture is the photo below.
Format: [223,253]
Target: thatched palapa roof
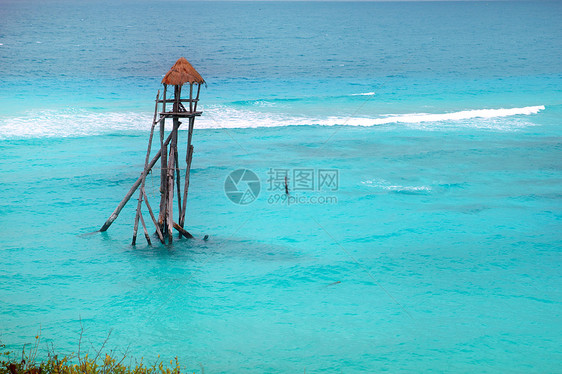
[182,72]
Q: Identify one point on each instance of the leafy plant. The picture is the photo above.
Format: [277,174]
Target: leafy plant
[100,363]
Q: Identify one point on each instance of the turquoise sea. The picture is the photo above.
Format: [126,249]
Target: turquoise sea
[435,247]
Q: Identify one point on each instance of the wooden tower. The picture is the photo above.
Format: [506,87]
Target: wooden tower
[173,107]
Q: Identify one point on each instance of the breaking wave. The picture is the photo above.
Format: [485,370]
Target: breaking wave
[79,122]
[384,185]
[71,123]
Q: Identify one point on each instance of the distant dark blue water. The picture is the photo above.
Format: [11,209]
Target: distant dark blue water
[442,122]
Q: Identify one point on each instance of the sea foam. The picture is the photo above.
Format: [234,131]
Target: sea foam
[385,185]
[71,123]
[80,122]
[228,117]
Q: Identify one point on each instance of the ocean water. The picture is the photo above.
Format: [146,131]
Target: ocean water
[436,247]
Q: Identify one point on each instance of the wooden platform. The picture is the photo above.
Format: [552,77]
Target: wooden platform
[180,114]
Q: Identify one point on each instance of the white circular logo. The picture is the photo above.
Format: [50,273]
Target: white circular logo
[242,186]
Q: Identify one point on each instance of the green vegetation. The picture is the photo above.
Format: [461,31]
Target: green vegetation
[77,363]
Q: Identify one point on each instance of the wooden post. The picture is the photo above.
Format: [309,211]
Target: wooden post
[191,97]
[145,172]
[163,166]
[197,97]
[164,99]
[170,192]
[177,123]
[170,179]
[178,182]
[123,202]
[182,231]
[177,98]
[188,159]
[145,231]
[158,232]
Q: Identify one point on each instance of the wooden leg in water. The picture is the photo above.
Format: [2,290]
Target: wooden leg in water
[170,180]
[188,158]
[145,171]
[163,166]
[136,185]
[163,177]
[158,232]
[135,228]
[178,183]
[182,231]
[186,185]
[145,231]
[170,200]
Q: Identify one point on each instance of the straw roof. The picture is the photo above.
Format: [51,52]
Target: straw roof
[182,72]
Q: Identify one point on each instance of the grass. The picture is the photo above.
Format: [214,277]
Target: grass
[78,362]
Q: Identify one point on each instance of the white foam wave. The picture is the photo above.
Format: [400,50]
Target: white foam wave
[225,117]
[456,116]
[80,122]
[387,186]
[71,122]
[363,94]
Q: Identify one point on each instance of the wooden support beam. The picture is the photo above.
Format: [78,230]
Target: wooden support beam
[180,114]
[158,232]
[163,167]
[181,100]
[197,98]
[188,158]
[170,180]
[145,231]
[186,185]
[145,171]
[175,106]
[178,183]
[191,97]
[170,197]
[164,100]
[123,202]
[182,231]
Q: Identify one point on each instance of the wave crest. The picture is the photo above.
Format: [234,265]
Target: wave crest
[79,122]
[384,185]
[226,117]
